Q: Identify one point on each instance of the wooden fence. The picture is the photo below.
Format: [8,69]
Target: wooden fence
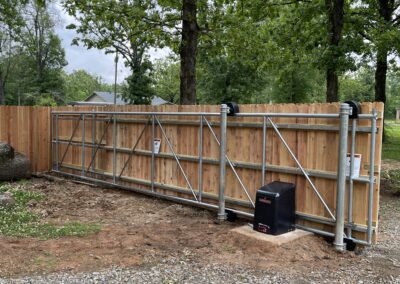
[314,142]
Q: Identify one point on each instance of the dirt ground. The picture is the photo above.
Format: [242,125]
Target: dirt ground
[139,231]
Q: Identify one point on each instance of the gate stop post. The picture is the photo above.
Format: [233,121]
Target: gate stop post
[344,113]
[222,163]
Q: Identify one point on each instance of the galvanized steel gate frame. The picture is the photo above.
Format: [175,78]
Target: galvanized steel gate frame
[90,174]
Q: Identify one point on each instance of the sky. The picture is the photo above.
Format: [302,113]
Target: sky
[93,61]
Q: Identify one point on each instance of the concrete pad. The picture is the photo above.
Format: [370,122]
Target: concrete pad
[248,231]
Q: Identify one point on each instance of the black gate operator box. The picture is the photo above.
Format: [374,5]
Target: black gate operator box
[275,208]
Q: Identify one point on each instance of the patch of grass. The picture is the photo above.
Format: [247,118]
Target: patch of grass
[391,147]
[18,221]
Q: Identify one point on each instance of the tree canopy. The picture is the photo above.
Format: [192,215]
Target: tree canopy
[222,50]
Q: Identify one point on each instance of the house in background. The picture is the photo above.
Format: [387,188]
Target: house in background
[107,98]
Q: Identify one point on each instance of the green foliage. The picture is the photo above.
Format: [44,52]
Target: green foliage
[224,80]
[166,79]
[139,89]
[18,221]
[392,93]
[357,85]
[298,84]
[35,64]
[80,84]
[390,148]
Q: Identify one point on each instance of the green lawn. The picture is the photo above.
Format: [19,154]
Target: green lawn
[391,146]
[390,179]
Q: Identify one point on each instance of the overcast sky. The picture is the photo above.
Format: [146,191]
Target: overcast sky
[93,61]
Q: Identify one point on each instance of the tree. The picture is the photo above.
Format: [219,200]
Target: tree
[80,84]
[118,27]
[335,12]
[387,22]
[139,89]
[10,25]
[188,52]
[378,22]
[43,47]
[34,56]
[167,79]
[144,23]
[358,85]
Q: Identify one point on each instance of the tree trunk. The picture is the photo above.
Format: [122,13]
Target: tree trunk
[385,11]
[332,86]
[188,51]
[380,76]
[335,11]
[2,93]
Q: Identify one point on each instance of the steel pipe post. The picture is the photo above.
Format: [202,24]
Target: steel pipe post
[152,152]
[201,159]
[351,182]
[341,176]
[57,166]
[222,163]
[264,143]
[52,141]
[371,175]
[83,145]
[114,142]
[93,139]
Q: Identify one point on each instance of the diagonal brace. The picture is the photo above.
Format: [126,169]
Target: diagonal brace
[301,168]
[176,158]
[133,148]
[231,164]
[98,144]
[70,139]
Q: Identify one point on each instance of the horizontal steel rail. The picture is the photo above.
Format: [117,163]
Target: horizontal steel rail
[63,113]
[289,126]
[255,114]
[211,161]
[298,115]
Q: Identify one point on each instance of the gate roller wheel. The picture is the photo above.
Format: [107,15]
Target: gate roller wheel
[356,106]
[233,108]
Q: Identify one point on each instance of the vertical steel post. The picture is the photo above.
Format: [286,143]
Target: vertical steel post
[152,151]
[83,145]
[341,176]
[351,182]
[201,158]
[93,142]
[57,167]
[263,150]
[222,163]
[371,175]
[114,141]
[52,141]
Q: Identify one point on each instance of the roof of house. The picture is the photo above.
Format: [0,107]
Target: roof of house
[156,101]
[107,97]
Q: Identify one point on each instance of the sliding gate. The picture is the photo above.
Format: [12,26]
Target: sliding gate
[217,161]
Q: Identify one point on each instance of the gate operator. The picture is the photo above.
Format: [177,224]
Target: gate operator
[275,208]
